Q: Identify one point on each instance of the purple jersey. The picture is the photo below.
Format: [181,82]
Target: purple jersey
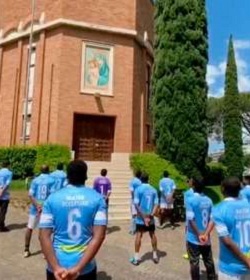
[102,185]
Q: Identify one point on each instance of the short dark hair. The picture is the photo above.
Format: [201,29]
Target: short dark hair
[165,174]
[45,169]
[231,187]
[144,178]
[198,185]
[77,172]
[138,174]
[60,166]
[5,163]
[104,172]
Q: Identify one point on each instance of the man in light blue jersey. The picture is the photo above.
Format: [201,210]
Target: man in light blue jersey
[5,180]
[198,213]
[39,191]
[167,187]
[245,192]
[60,178]
[146,202]
[133,185]
[77,218]
[232,222]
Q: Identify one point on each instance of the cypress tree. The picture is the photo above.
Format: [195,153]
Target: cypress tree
[179,83]
[232,129]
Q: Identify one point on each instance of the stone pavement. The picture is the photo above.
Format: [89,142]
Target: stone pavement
[113,258]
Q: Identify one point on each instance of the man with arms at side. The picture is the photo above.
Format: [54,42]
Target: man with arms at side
[5,180]
[134,184]
[39,191]
[245,192]
[167,187]
[77,218]
[198,213]
[103,186]
[60,178]
[146,202]
[232,222]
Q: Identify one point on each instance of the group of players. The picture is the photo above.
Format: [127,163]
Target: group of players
[73,220]
[231,218]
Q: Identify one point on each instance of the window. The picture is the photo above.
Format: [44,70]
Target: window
[30,91]
[148,134]
[148,86]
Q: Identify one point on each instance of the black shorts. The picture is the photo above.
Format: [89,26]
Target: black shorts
[143,228]
[90,276]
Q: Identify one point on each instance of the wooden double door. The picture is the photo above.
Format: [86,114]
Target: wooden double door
[93,138]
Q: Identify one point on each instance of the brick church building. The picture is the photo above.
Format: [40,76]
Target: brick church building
[89,76]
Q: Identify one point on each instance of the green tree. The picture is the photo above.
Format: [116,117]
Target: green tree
[232,128]
[179,83]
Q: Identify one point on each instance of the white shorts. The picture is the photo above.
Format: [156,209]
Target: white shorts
[166,205]
[224,276]
[33,221]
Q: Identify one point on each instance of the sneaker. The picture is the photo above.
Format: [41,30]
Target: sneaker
[26,254]
[185,256]
[4,229]
[156,260]
[134,261]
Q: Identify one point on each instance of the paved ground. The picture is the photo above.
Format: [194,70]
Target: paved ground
[112,260]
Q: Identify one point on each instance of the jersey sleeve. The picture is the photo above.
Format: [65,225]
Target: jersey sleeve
[173,185]
[47,218]
[109,186]
[131,187]
[137,197]
[9,179]
[156,200]
[189,210]
[101,214]
[32,190]
[220,224]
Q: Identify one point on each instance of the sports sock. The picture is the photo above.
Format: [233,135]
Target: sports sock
[137,257]
[155,256]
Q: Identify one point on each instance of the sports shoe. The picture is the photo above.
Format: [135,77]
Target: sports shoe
[26,254]
[134,261]
[156,260]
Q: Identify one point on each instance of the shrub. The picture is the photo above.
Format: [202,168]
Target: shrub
[246,161]
[154,166]
[51,155]
[216,173]
[21,159]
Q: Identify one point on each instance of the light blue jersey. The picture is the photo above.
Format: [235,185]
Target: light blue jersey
[40,189]
[188,194]
[134,184]
[60,180]
[71,213]
[146,198]
[245,193]
[166,187]
[5,180]
[199,209]
[232,219]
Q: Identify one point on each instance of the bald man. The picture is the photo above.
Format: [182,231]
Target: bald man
[39,191]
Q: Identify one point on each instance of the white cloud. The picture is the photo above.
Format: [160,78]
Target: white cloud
[242,44]
[214,72]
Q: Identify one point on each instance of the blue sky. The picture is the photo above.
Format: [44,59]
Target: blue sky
[227,17]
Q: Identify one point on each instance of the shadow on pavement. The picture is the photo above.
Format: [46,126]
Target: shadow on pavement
[36,253]
[113,229]
[149,256]
[17,226]
[103,276]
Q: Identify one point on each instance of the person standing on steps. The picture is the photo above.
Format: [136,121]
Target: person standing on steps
[5,180]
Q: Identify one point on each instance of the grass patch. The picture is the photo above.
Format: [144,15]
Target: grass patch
[18,185]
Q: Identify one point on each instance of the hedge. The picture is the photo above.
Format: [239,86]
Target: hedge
[51,155]
[216,173]
[26,161]
[154,166]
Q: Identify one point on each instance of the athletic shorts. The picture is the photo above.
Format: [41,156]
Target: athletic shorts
[143,228]
[33,221]
[90,276]
[224,276]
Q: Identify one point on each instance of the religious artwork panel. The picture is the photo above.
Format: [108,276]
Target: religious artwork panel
[97,69]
